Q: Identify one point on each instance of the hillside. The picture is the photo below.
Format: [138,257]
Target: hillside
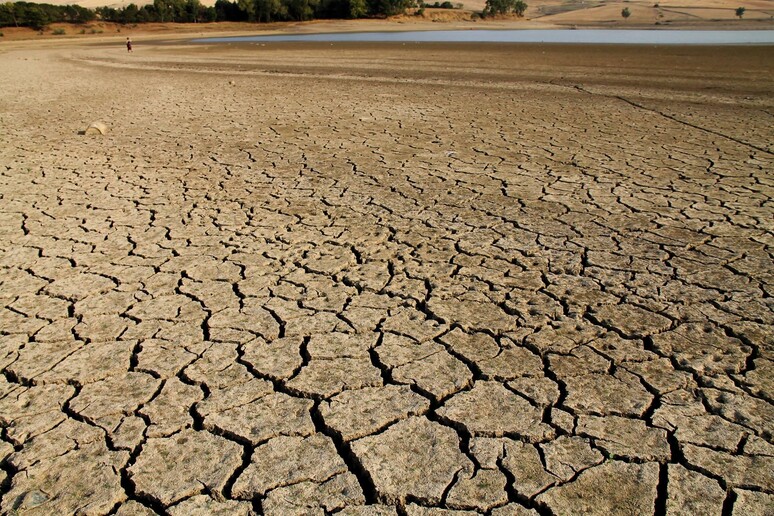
[584,11]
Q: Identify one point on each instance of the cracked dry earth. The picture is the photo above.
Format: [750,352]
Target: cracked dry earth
[374,280]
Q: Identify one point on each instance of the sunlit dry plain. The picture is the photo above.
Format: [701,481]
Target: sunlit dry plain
[386,279]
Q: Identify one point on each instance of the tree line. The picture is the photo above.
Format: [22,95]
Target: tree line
[37,16]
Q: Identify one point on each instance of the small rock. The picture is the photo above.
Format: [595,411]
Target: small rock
[33,499]
[96,128]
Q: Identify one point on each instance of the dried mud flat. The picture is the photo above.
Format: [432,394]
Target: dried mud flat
[417,279]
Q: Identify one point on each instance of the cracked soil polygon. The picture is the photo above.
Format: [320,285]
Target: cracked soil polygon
[170,469]
[414,458]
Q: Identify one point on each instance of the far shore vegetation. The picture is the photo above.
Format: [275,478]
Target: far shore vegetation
[38,16]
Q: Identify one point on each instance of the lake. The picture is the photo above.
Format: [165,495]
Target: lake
[583,36]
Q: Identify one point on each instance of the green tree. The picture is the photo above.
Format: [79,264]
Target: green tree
[357,8]
[226,10]
[177,10]
[625,12]
[740,12]
[300,10]
[494,7]
[162,10]
[147,13]
[249,7]
[8,15]
[35,17]
[265,10]
[129,14]
[389,7]
[192,11]
[81,14]
[208,14]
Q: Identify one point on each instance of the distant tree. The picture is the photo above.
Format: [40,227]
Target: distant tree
[625,12]
[300,10]
[36,18]
[229,11]
[82,14]
[504,7]
[248,6]
[357,8]
[163,11]
[264,10]
[129,14]
[740,12]
[8,15]
[191,11]
[389,7]
[147,13]
[106,13]
[208,14]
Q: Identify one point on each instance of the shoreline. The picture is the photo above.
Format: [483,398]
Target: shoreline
[520,36]
[109,31]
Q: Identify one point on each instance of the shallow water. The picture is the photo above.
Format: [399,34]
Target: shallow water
[590,36]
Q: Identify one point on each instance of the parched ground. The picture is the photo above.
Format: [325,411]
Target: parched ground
[386,279]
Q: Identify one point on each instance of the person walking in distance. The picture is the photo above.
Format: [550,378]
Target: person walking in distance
[128,45]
